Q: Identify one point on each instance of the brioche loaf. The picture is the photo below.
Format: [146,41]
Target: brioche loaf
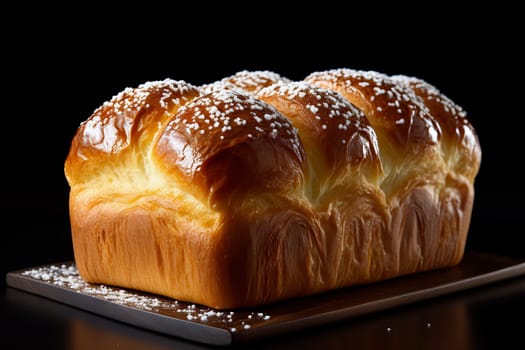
[255,188]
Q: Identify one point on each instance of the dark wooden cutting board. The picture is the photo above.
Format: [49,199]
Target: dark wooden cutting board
[62,283]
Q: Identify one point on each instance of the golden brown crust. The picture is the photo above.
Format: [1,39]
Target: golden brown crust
[391,108]
[226,142]
[408,135]
[266,189]
[460,144]
[124,126]
[337,136]
[249,82]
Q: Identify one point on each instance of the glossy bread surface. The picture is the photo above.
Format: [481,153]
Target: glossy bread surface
[255,189]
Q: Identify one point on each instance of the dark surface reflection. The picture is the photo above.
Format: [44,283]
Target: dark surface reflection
[487,317]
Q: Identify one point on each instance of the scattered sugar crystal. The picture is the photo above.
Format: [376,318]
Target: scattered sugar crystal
[67,276]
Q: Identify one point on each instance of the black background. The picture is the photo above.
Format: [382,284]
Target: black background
[53,78]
